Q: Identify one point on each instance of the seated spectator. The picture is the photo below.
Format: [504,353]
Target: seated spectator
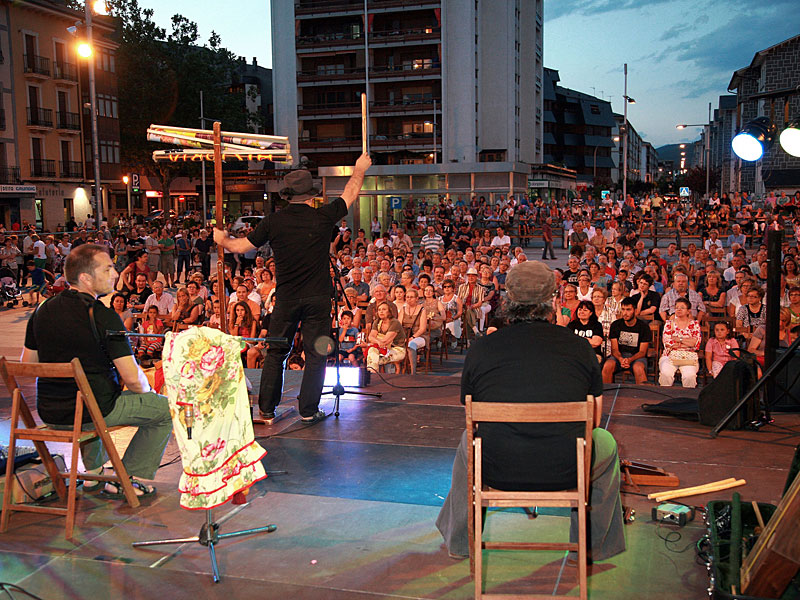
[184,313]
[629,338]
[241,295]
[139,294]
[717,348]
[604,315]
[149,347]
[584,290]
[163,301]
[453,309]
[568,305]
[757,344]
[414,319]
[682,337]
[587,326]
[435,312]
[348,337]
[712,293]
[386,341]
[752,314]
[647,301]
[359,285]
[120,306]
[356,314]
[680,289]
[379,294]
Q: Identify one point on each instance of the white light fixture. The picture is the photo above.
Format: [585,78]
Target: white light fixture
[84,50]
[754,139]
[790,138]
[99,7]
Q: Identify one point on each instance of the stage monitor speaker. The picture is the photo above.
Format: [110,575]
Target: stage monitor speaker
[787,384]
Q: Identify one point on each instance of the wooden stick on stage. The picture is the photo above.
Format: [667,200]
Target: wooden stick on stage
[707,488]
[364,128]
[223,309]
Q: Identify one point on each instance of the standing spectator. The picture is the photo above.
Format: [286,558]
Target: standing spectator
[167,260]
[184,249]
[202,246]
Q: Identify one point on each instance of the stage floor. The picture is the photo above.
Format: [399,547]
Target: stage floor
[355,499]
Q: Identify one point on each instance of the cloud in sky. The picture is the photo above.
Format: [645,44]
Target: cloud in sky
[559,8]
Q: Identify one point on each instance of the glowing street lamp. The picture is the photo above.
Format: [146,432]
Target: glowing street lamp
[790,138]
[84,50]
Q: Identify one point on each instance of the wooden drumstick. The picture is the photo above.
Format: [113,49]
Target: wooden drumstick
[706,489]
[364,133]
[655,494]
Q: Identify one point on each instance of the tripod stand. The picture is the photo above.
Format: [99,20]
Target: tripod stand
[338,390]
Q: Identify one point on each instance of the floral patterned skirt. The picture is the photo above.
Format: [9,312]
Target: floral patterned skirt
[205,384]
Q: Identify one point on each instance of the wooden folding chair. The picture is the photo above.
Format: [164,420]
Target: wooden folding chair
[44,433]
[482,496]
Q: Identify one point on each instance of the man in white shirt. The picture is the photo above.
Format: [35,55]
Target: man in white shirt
[163,300]
[501,240]
[39,251]
[432,241]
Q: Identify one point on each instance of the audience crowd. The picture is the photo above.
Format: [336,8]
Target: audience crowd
[435,279]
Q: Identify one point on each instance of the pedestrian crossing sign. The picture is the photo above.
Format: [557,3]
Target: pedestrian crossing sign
[685,193]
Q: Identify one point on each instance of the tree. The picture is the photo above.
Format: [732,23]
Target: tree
[160,79]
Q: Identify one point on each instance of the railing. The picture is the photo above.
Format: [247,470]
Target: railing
[66,71]
[40,117]
[346,37]
[9,175]
[43,168]
[68,120]
[376,140]
[36,64]
[302,7]
[71,169]
[343,107]
[349,72]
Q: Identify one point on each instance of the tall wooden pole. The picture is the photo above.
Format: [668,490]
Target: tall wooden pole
[364,124]
[223,309]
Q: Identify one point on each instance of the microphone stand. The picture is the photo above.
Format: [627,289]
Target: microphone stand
[338,390]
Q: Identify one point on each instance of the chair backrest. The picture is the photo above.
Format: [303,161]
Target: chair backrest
[10,370]
[534,412]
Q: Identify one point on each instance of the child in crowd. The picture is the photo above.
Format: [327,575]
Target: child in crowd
[347,339]
[38,284]
[149,347]
[717,348]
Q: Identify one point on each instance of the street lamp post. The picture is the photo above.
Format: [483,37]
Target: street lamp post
[707,151]
[93,107]
[626,100]
[127,181]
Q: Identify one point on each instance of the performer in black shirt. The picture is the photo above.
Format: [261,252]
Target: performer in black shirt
[300,237]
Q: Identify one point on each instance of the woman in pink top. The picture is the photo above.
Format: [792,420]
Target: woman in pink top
[717,348]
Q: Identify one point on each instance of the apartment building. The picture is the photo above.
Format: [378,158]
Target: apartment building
[42,172]
[449,82]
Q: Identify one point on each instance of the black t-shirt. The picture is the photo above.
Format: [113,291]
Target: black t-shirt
[136,297]
[59,331]
[651,299]
[203,245]
[591,329]
[530,362]
[300,238]
[629,338]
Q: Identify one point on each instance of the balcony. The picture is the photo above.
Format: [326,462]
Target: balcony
[334,109]
[2,119]
[382,39]
[317,8]
[65,71]
[41,167]
[69,121]
[71,169]
[40,117]
[419,142]
[376,73]
[9,175]
[36,66]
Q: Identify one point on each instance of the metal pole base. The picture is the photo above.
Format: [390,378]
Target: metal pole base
[209,536]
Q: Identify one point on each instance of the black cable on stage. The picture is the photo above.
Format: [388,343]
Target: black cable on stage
[10,587]
[645,389]
[413,387]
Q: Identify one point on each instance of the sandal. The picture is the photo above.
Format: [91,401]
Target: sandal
[92,487]
[113,490]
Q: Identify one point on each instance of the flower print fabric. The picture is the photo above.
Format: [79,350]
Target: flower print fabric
[203,372]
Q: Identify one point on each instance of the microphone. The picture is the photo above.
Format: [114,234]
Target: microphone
[188,415]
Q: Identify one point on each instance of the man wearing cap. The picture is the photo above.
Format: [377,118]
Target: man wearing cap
[300,237]
[532,360]
[472,297]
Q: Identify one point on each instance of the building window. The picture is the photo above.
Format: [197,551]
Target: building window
[109,152]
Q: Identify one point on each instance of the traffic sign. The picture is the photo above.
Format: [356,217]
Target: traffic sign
[604,193]
[685,192]
[134,182]
[395,202]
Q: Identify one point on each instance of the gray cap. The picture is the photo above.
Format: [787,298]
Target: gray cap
[298,187]
[530,282]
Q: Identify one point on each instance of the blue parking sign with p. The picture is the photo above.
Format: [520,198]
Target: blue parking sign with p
[395,202]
